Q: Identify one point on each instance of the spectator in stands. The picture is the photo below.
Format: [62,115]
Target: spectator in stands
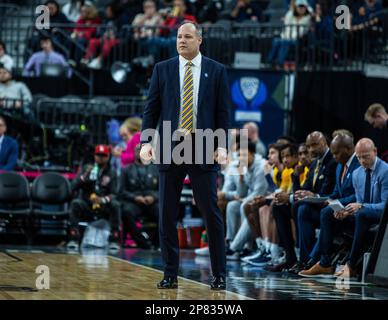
[174,19]
[320,181]
[177,15]
[15,94]
[370,181]
[72,9]
[9,149]
[130,133]
[342,148]
[45,58]
[377,117]
[99,187]
[320,35]
[296,24]
[253,135]
[251,184]
[85,29]
[207,12]
[5,59]
[245,10]
[106,38]
[364,14]
[139,197]
[56,31]
[365,21]
[56,16]
[150,18]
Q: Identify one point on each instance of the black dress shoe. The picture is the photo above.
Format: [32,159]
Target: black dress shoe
[168,283]
[218,283]
[296,268]
[278,267]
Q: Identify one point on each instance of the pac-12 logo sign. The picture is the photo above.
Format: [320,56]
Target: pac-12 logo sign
[249,93]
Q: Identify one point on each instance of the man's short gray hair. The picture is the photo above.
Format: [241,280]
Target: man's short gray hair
[196,26]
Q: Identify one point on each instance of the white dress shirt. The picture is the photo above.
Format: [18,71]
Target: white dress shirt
[1,141]
[196,70]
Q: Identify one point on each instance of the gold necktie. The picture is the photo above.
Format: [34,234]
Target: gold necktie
[316,171]
[187,100]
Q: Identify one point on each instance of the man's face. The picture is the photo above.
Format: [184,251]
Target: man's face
[303,156]
[3,127]
[366,156]
[378,121]
[124,134]
[188,41]
[180,5]
[101,159]
[273,156]
[46,45]
[301,10]
[340,153]
[5,76]
[149,8]
[315,146]
[251,132]
[288,159]
[52,9]
[246,157]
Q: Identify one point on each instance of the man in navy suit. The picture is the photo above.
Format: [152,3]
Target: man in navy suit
[9,149]
[370,182]
[190,92]
[342,148]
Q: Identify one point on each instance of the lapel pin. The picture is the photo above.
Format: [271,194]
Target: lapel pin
[206,75]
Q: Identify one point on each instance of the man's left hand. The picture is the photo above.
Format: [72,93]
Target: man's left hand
[352,208]
[281,198]
[149,200]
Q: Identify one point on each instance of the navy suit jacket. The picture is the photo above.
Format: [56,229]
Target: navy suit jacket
[325,182]
[8,154]
[163,103]
[344,191]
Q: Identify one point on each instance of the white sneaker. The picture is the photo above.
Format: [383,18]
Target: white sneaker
[202,251]
[258,253]
[95,64]
[114,246]
[72,245]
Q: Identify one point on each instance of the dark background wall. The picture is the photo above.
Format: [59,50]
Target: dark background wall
[327,101]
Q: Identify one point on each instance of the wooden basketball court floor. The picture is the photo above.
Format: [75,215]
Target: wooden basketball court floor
[132,274]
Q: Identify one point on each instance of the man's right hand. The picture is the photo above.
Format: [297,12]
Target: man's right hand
[140,199]
[147,153]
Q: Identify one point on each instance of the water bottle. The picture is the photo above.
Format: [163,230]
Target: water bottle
[94,173]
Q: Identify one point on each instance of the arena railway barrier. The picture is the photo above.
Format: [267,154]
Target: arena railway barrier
[314,50]
[72,116]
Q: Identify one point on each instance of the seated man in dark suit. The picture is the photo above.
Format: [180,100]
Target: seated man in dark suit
[320,181]
[342,148]
[370,182]
[139,196]
[9,149]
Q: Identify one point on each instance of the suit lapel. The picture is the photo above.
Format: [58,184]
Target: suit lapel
[175,81]
[203,82]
